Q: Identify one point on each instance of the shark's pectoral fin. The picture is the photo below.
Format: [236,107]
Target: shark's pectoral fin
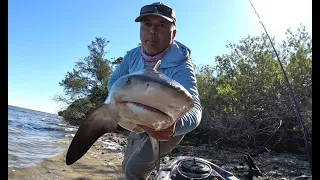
[97,123]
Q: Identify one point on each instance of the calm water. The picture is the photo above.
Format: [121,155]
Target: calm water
[34,135]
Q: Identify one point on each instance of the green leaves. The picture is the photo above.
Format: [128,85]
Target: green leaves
[87,81]
[246,87]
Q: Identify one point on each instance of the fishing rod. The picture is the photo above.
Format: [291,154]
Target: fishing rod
[307,140]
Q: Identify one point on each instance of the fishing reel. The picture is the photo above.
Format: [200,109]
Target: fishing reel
[192,168]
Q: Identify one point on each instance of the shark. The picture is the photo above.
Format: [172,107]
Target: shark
[142,98]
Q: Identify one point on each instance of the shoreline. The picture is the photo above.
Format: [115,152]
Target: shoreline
[98,163]
[63,144]
[103,161]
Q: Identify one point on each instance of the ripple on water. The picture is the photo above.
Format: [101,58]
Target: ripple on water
[34,136]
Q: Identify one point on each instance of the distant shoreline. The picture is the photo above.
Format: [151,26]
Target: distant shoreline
[18,107]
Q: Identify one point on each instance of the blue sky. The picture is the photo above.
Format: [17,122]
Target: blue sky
[47,37]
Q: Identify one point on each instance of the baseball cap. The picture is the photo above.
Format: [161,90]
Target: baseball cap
[157,9]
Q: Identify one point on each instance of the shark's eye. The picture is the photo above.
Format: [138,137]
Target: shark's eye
[128,80]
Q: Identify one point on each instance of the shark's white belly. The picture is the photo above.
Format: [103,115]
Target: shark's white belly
[130,126]
[133,115]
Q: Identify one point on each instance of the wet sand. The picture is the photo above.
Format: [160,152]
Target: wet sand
[97,164]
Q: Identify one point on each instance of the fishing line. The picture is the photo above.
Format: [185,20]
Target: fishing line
[307,140]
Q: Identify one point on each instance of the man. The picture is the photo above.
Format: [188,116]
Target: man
[157,33]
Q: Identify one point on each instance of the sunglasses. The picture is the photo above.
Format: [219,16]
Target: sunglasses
[161,9]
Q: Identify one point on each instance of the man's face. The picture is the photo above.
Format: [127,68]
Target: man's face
[156,34]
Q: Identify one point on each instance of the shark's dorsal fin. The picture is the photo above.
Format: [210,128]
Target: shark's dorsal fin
[157,65]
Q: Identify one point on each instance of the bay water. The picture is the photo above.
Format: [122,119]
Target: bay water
[34,136]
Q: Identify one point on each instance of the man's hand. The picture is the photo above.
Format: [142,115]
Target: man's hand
[163,135]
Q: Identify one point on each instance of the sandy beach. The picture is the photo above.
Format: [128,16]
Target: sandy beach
[103,162]
[98,163]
